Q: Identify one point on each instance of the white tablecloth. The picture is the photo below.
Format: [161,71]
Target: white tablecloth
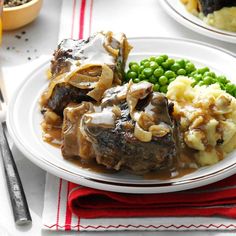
[18,55]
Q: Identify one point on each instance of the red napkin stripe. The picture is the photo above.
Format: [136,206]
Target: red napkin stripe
[81,19]
[91,203]
[221,194]
[68,211]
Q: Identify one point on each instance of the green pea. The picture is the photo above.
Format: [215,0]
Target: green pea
[207,80]
[141,68]
[143,61]
[141,76]
[153,65]
[181,63]
[234,92]
[212,74]
[201,83]
[146,64]
[163,80]
[197,77]
[165,65]
[153,79]
[147,72]
[152,58]
[163,89]
[170,62]
[181,72]
[189,67]
[156,87]
[132,63]
[170,74]
[136,80]
[175,67]
[158,72]
[193,73]
[135,68]
[159,60]
[214,80]
[165,57]
[203,70]
[222,79]
[222,86]
[208,73]
[132,75]
[229,87]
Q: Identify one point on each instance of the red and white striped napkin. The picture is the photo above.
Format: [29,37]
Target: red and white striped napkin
[135,18]
[76,19]
[71,207]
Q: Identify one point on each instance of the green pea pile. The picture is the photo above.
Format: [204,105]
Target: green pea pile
[162,70]
[204,76]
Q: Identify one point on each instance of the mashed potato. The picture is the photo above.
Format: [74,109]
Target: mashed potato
[207,117]
[224,19]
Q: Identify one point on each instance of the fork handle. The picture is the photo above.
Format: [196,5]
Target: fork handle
[18,200]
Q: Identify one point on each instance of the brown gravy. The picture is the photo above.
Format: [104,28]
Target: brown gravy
[52,135]
[53,138]
[92,165]
[163,174]
[185,163]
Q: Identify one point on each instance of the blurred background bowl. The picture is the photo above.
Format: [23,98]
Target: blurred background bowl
[19,16]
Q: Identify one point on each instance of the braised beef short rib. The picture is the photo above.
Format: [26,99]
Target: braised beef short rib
[78,65]
[125,126]
[113,136]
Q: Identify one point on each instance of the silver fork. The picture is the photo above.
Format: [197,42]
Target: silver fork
[16,192]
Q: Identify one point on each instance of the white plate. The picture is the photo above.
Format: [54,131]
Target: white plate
[24,119]
[178,11]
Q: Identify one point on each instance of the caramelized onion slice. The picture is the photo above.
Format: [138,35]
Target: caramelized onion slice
[135,93]
[75,141]
[88,73]
[141,134]
[145,120]
[107,45]
[159,130]
[105,82]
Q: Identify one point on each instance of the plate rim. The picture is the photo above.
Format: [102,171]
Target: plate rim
[225,36]
[114,186]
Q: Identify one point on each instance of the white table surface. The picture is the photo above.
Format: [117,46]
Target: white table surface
[42,38]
